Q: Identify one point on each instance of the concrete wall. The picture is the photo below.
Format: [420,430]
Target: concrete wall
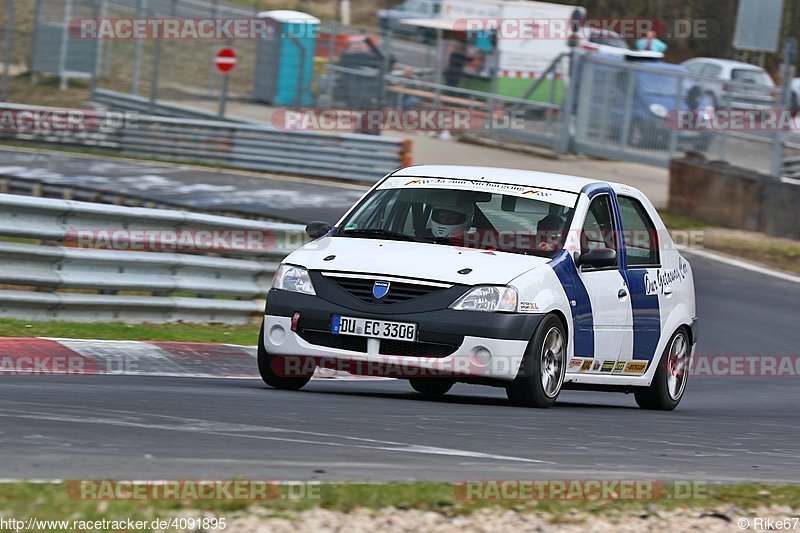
[733,197]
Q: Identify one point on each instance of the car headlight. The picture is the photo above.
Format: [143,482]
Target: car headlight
[488,298]
[293,278]
[658,110]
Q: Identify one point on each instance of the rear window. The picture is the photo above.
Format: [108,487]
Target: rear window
[757,77]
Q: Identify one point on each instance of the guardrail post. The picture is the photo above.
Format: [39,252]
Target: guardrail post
[9,39]
[627,115]
[98,12]
[62,57]
[564,140]
[673,134]
[137,54]
[789,53]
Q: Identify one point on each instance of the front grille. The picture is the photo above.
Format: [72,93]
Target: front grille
[361,288]
[387,346]
[332,340]
[416,349]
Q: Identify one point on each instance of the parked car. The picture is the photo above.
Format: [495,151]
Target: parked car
[744,85]
[654,97]
[650,106]
[529,281]
[410,9]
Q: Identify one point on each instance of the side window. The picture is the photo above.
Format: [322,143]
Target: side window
[598,228]
[695,68]
[641,238]
[712,71]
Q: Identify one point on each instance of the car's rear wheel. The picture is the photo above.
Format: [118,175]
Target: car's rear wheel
[669,381]
[274,369]
[432,386]
[541,374]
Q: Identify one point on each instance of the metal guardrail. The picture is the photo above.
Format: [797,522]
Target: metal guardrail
[46,280]
[131,102]
[349,156]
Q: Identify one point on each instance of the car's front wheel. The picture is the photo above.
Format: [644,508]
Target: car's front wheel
[541,373]
[282,372]
[432,386]
[669,381]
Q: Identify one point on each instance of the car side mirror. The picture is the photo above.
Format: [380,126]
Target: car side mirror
[317,229]
[598,258]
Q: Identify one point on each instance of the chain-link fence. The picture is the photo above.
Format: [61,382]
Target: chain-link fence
[651,113]
[611,108]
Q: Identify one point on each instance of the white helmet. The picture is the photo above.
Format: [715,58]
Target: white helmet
[445,221]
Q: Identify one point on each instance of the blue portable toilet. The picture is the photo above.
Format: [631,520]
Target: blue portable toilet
[285,59]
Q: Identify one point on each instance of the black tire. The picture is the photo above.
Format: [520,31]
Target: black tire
[658,395]
[431,386]
[266,367]
[528,387]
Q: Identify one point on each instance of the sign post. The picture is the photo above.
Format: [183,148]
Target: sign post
[225,61]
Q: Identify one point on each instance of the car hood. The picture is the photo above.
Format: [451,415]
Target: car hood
[433,262]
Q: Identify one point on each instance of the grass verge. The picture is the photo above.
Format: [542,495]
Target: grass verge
[773,252]
[246,335]
[53,501]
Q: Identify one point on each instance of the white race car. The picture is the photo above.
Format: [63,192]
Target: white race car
[530,281]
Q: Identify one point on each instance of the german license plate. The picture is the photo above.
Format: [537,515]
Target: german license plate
[379,329]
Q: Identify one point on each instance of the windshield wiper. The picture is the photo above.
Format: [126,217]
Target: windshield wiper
[379,232]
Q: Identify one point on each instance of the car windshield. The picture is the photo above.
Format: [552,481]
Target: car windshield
[609,40]
[658,84]
[520,219]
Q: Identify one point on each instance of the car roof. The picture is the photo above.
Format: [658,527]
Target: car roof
[533,178]
[725,62]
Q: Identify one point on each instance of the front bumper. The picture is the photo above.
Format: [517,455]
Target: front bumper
[460,344]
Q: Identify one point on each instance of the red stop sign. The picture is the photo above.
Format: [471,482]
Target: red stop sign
[225,60]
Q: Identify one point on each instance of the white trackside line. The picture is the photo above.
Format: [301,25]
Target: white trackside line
[237,431]
[741,264]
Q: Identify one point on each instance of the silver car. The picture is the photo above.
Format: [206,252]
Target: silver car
[734,84]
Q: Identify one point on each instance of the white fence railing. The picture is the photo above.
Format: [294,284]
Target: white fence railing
[77,261]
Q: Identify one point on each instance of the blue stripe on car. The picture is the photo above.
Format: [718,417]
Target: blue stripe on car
[646,316]
[645,309]
[567,273]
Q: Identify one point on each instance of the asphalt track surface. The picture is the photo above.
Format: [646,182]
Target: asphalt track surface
[181,186]
[726,428]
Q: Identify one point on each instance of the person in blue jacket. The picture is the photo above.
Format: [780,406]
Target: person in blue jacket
[651,43]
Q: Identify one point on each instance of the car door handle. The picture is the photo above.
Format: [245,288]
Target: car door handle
[622,294]
[667,290]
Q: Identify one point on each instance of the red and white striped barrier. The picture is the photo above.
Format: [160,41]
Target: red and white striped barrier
[48,356]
